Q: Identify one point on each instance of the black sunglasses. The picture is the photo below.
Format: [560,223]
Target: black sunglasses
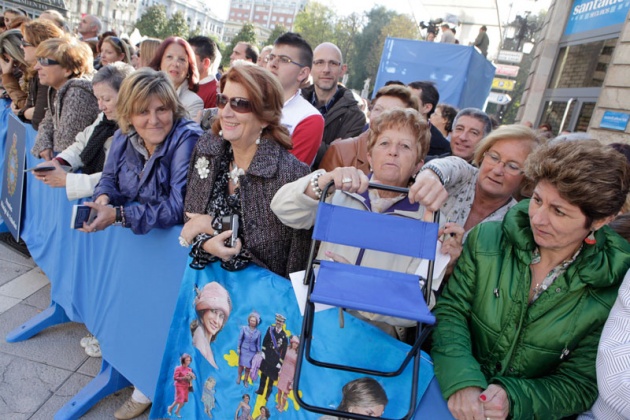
[45,61]
[240,105]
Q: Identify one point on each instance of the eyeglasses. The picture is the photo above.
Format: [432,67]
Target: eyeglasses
[26,44]
[240,105]
[334,65]
[283,59]
[45,61]
[494,159]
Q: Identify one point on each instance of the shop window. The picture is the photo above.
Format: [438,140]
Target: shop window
[583,65]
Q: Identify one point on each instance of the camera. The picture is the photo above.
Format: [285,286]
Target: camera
[431,26]
[230,223]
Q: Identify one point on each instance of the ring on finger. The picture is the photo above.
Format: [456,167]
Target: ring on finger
[183,242]
[346,180]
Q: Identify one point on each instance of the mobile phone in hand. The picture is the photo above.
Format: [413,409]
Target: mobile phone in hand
[80,214]
[234,227]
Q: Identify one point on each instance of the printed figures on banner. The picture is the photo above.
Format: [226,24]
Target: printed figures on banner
[274,349]
[183,378]
[287,371]
[213,306]
[248,346]
[244,410]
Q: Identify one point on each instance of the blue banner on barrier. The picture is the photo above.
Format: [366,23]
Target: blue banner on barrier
[13,176]
[214,293]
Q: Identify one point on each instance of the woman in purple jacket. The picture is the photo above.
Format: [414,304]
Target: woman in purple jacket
[144,179]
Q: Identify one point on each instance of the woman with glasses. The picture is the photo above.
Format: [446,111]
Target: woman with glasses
[34,33]
[64,64]
[13,67]
[114,49]
[519,322]
[176,58]
[144,179]
[236,169]
[481,193]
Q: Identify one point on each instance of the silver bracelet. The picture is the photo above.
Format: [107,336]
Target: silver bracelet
[315,184]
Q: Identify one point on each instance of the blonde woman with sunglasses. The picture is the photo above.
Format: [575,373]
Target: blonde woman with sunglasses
[235,170]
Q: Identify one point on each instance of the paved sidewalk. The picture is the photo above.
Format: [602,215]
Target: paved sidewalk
[38,376]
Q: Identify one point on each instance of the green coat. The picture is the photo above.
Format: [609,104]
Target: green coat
[543,354]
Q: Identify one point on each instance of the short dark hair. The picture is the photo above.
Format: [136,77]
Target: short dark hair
[251,51]
[204,47]
[293,39]
[429,95]
[394,82]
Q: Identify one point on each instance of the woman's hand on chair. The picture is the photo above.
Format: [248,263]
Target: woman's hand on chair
[336,257]
[428,191]
[348,179]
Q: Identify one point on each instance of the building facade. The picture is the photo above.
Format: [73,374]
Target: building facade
[266,13]
[578,80]
[34,8]
[198,14]
[116,15]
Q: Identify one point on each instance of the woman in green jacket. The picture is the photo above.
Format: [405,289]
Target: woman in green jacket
[520,319]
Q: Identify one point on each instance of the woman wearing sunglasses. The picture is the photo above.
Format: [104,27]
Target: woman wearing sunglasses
[34,33]
[64,64]
[114,49]
[235,170]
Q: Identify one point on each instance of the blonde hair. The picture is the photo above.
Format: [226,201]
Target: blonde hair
[505,132]
[70,53]
[399,119]
[136,93]
[147,50]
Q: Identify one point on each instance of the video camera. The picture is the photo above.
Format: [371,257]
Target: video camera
[431,26]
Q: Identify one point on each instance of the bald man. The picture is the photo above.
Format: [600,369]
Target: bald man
[342,115]
[89,28]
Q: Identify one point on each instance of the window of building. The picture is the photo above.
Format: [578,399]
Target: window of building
[583,65]
[281,19]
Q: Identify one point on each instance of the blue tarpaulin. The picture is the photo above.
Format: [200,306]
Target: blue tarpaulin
[462,75]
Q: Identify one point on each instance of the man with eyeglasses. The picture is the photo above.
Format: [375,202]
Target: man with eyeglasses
[290,61]
[342,116]
[89,28]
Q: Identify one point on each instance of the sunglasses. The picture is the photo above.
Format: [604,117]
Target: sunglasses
[118,42]
[45,61]
[240,105]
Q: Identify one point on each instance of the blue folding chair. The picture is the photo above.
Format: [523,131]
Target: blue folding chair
[368,289]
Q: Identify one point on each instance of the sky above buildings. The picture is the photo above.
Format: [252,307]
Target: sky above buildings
[419,10]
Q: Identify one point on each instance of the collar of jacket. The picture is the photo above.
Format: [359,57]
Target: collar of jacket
[600,265]
[265,161]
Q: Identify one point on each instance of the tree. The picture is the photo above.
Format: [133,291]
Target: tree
[316,23]
[367,55]
[176,26]
[347,29]
[246,34]
[277,31]
[153,21]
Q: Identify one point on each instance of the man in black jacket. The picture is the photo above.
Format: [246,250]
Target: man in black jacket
[342,116]
[429,98]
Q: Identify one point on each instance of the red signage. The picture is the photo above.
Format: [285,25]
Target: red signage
[506,70]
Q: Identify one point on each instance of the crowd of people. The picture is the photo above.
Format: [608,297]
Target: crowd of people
[158,137]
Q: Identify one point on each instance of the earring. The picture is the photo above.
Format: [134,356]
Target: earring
[258,141]
[220,133]
[590,239]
